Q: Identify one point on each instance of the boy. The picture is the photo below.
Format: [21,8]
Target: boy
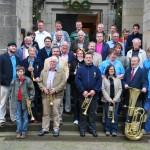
[21,88]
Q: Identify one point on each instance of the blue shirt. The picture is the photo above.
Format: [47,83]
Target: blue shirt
[112,44]
[48,52]
[149,83]
[13,61]
[119,69]
[146,63]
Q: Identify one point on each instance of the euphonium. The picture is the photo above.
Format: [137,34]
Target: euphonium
[111,112]
[29,109]
[136,117]
[86,103]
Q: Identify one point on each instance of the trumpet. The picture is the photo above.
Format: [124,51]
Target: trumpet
[51,98]
[29,109]
[86,103]
[111,112]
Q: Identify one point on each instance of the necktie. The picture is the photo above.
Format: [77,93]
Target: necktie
[132,75]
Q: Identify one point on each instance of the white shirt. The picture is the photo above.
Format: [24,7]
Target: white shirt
[40,36]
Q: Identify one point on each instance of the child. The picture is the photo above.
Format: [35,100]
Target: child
[146,66]
[21,89]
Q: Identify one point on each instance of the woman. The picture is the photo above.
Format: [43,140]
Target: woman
[79,61]
[111,90]
[123,59]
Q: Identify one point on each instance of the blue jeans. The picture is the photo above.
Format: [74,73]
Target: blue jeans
[109,126]
[21,118]
[147,125]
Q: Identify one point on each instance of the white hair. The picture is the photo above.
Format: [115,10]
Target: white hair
[28,38]
[101,25]
[81,32]
[136,39]
[59,32]
[53,58]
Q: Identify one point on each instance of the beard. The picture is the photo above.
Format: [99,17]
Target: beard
[12,51]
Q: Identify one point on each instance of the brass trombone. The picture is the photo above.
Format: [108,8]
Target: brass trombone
[32,73]
[29,109]
[51,98]
[86,103]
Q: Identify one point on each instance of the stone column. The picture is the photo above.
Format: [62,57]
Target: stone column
[10,24]
[132,13]
[146,24]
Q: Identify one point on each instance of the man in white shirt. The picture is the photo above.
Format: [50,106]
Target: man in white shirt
[41,34]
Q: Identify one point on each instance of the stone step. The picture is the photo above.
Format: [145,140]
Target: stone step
[67,126]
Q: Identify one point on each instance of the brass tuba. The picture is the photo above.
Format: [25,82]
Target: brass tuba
[86,103]
[136,117]
[29,109]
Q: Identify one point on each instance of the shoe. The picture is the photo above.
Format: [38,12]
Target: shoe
[2,124]
[56,133]
[61,123]
[23,136]
[107,133]
[42,132]
[95,134]
[114,134]
[68,113]
[76,122]
[82,133]
[18,136]
[35,121]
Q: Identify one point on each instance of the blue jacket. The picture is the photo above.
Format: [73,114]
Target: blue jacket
[36,65]
[6,69]
[139,79]
[42,55]
[88,78]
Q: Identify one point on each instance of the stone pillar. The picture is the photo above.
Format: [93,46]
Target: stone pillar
[146,24]
[10,24]
[132,13]
[26,15]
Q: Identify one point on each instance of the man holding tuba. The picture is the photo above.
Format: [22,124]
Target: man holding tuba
[88,83]
[51,82]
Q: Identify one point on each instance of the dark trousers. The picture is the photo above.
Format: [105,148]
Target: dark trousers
[76,104]
[109,126]
[90,119]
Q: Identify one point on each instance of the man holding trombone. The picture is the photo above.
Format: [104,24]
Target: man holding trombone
[51,82]
[88,83]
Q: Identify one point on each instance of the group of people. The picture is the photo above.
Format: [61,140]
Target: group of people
[41,73]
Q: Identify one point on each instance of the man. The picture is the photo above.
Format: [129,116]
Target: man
[88,83]
[137,51]
[97,58]
[52,82]
[74,34]
[135,34]
[22,52]
[8,63]
[41,34]
[100,29]
[68,57]
[102,48]
[135,77]
[115,40]
[45,52]
[80,42]
[61,64]
[65,35]
[58,40]
[112,30]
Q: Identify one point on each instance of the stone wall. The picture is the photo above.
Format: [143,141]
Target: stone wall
[146,24]
[132,13]
[10,24]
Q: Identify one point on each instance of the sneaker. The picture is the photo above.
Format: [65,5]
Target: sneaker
[56,133]
[114,134]
[23,136]
[76,122]
[107,133]
[18,136]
